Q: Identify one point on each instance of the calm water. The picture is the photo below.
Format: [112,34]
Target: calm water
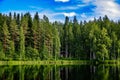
[81,72]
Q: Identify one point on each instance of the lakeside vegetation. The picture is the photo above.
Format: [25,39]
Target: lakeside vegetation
[25,38]
[61,62]
[47,62]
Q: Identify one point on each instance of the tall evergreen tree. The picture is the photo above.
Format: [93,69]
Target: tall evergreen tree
[34,28]
[70,40]
[2,54]
[76,33]
[6,38]
[14,33]
[48,36]
[65,37]
[56,43]
[22,43]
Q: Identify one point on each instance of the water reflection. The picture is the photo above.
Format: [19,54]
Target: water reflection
[82,72]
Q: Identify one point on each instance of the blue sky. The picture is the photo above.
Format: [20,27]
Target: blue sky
[58,9]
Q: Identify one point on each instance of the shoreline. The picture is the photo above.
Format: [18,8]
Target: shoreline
[46,62]
[59,62]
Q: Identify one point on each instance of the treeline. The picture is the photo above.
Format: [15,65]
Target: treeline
[25,38]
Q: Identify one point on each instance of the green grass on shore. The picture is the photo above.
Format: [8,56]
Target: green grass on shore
[46,62]
[59,62]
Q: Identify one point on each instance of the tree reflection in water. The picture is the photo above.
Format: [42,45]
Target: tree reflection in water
[53,72]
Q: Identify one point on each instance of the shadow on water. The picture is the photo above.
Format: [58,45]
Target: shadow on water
[53,72]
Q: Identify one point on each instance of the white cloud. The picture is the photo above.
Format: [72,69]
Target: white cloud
[71,14]
[71,7]
[87,1]
[81,5]
[68,8]
[62,0]
[83,15]
[103,7]
[107,7]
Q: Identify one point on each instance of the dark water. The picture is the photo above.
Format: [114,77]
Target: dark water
[81,72]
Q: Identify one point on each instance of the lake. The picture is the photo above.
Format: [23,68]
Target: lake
[53,72]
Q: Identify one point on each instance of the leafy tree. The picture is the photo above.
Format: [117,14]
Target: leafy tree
[103,45]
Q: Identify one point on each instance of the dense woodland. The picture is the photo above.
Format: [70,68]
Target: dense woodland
[23,37]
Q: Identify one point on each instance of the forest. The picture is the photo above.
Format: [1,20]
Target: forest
[23,37]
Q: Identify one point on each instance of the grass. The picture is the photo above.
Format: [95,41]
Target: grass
[46,62]
[60,62]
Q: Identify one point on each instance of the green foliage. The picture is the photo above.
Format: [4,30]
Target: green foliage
[6,38]
[14,34]
[28,38]
[2,54]
[12,50]
[31,54]
[45,53]
[56,43]
[22,43]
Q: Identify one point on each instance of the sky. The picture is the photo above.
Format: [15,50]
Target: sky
[58,9]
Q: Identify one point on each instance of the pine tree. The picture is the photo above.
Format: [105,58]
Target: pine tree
[34,28]
[22,43]
[6,39]
[113,53]
[76,34]
[70,40]
[48,36]
[65,37]
[45,53]
[29,36]
[2,54]
[12,50]
[14,34]
[56,43]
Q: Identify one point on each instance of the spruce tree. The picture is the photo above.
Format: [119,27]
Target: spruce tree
[56,43]
[22,43]
[14,33]
[65,37]
[6,39]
